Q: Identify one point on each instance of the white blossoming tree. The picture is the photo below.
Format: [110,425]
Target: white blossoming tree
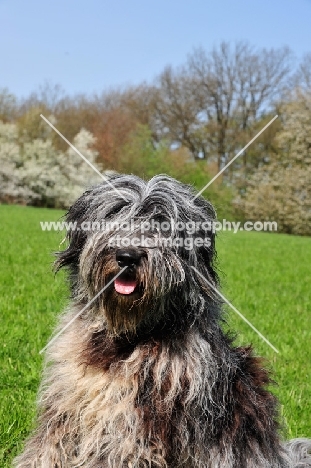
[35,172]
[11,187]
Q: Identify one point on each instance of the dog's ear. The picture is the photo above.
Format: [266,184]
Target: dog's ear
[208,252]
[76,236]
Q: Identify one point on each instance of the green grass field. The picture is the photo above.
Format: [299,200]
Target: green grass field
[266,276]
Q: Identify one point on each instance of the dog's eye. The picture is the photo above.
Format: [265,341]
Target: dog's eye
[114,211]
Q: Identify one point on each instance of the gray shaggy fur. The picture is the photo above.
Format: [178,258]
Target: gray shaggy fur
[148,378]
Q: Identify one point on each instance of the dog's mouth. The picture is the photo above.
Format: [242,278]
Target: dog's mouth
[125,286]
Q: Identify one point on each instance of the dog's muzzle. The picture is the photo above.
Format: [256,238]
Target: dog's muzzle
[129,258]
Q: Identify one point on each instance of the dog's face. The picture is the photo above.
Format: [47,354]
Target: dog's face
[139,240]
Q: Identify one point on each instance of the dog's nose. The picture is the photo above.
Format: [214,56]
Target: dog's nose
[128,257]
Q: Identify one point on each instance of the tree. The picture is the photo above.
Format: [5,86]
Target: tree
[48,96]
[302,78]
[8,105]
[11,188]
[281,189]
[112,131]
[31,126]
[177,111]
[139,155]
[236,85]
[35,172]
[140,102]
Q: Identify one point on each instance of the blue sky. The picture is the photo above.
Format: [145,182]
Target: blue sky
[90,46]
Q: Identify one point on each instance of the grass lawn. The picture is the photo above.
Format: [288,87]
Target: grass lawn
[266,276]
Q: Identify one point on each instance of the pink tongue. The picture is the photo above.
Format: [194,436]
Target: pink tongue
[124,287]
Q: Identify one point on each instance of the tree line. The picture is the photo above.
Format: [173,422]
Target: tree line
[189,122]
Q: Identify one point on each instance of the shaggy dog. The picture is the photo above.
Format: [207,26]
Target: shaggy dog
[145,376]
